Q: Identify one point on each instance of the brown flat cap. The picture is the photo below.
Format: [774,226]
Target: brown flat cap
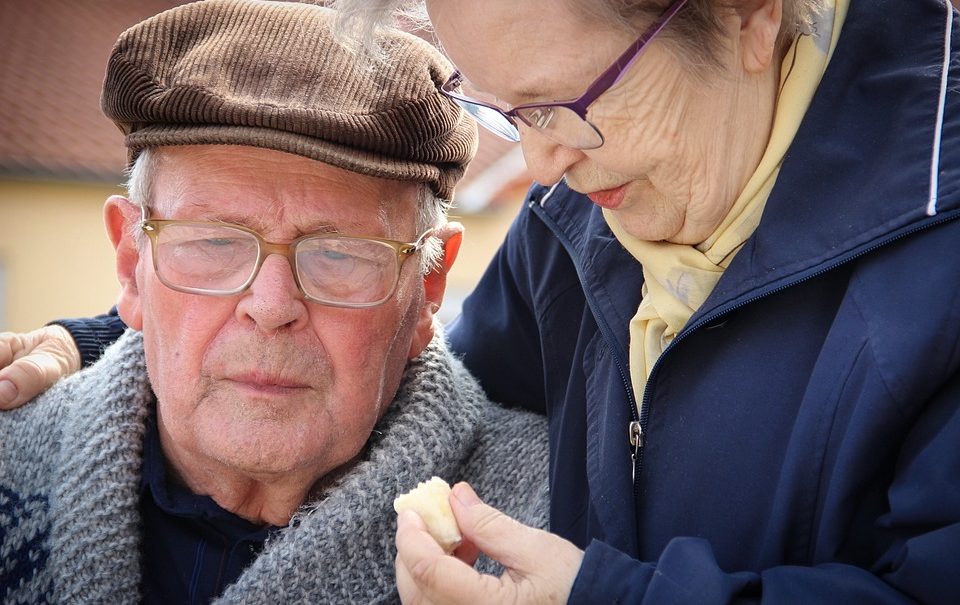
[270,74]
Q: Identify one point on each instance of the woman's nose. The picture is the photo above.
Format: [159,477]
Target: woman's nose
[546,160]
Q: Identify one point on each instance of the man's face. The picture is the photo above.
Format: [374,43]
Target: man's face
[265,383]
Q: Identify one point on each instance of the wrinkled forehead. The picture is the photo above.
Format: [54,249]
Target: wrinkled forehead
[524,51]
[277,192]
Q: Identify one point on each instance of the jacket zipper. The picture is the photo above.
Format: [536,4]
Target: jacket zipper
[635,427]
[708,319]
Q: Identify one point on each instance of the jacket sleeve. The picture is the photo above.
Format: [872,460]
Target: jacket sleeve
[94,334]
[918,539]
[496,334]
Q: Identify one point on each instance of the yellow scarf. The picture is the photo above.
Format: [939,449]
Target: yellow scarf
[678,278]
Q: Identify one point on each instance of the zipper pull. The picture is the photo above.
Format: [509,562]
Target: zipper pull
[636,441]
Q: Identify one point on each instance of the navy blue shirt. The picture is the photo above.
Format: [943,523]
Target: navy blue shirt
[192,548]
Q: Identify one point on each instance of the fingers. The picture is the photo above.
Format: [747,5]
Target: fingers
[27,377]
[540,566]
[9,393]
[30,363]
[467,552]
[406,587]
[426,575]
[411,547]
[494,533]
[11,345]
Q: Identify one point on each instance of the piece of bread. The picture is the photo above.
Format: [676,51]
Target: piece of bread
[430,500]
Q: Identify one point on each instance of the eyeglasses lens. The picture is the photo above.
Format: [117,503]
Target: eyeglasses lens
[491,119]
[561,125]
[214,259]
[209,258]
[345,270]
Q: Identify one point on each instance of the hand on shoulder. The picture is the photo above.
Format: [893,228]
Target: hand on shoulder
[31,363]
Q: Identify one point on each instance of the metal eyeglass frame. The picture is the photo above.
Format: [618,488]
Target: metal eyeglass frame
[604,82]
[404,250]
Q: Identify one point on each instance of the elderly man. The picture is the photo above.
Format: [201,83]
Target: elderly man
[281,255]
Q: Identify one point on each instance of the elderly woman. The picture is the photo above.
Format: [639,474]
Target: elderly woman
[734,291]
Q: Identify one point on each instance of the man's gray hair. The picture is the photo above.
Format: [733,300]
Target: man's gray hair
[431,210]
[696,30]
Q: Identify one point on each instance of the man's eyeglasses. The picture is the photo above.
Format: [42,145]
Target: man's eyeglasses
[221,259]
[564,122]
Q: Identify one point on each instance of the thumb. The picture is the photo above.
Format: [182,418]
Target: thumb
[500,537]
[34,361]
[26,378]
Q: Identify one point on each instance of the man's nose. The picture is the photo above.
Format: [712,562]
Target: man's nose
[273,300]
[546,160]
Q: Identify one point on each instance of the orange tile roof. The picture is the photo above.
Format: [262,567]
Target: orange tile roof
[52,58]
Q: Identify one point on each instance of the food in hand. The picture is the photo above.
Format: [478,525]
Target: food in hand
[430,500]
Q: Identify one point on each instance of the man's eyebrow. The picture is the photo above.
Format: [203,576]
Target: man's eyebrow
[319,228]
[263,224]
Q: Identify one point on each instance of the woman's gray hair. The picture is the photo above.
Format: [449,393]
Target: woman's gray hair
[696,29]
[431,210]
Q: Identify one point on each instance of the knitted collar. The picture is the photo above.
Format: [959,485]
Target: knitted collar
[429,429]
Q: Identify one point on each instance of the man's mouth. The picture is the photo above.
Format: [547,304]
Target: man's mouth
[267,384]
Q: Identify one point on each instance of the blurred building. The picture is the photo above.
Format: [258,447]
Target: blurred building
[60,158]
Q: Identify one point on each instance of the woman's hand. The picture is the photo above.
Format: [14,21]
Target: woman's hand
[30,363]
[540,567]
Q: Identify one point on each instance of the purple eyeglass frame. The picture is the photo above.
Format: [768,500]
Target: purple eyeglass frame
[602,84]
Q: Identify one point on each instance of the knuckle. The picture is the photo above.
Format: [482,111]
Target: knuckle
[492,522]
[490,519]
[37,370]
[423,572]
[6,345]
[493,585]
[59,362]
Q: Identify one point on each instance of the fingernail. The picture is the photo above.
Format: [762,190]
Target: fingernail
[407,517]
[8,391]
[465,494]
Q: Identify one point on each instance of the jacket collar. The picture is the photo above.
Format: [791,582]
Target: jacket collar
[867,165]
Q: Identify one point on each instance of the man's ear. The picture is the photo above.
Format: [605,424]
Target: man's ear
[119,217]
[760,22]
[434,285]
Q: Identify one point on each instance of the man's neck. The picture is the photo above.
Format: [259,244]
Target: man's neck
[265,499]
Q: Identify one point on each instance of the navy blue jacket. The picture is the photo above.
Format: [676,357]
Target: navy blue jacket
[801,435]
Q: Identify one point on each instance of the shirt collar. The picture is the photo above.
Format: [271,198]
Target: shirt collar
[175,499]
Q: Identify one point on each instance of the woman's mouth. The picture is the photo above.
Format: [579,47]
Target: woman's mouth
[609,198]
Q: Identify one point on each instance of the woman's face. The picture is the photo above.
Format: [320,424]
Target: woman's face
[681,142]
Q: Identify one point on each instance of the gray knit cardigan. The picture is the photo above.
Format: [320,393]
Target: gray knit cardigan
[70,470]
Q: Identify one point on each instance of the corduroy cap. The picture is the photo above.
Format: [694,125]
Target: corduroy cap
[270,74]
